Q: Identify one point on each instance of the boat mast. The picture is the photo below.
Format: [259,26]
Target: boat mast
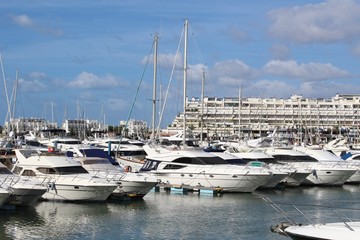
[185,79]
[202,105]
[240,108]
[156,37]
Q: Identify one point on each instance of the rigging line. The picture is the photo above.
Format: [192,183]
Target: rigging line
[6,92]
[168,87]
[136,94]
[197,47]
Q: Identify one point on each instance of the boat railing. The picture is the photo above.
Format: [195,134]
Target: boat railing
[297,214]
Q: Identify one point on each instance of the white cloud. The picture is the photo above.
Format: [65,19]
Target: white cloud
[37,75]
[234,69]
[34,85]
[271,88]
[23,20]
[165,60]
[26,21]
[90,80]
[326,89]
[306,72]
[330,21]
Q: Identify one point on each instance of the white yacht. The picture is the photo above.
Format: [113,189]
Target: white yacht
[329,158]
[23,191]
[129,184]
[198,169]
[329,231]
[276,176]
[322,173]
[294,177]
[61,144]
[66,179]
[129,153]
[121,146]
[343,228]
[354,159]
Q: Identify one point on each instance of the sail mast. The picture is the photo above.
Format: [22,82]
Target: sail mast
[202,104]
[154,87]
[185,79]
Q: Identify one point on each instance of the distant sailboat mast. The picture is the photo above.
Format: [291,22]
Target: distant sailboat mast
[156,38]
[202,105]
[185,79]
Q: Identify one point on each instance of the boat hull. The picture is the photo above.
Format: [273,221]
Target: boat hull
[295,178]
[66,192]
[245,183]
[25,196]
[329,177]
[330,231]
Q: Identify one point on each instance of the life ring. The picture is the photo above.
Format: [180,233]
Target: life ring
[128,168]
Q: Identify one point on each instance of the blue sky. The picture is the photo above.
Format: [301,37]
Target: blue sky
[86,58]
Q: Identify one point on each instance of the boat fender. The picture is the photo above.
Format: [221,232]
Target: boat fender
[280,228]
[51,186]
[128,168]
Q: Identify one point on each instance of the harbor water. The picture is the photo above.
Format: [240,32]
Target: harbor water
[174,215]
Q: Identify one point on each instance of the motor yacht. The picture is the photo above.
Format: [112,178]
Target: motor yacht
[322,173]
[198,169]
[342,228]
[65,178]
[23,191]
[329,231]
[294,177]
[99,164]
[129,153]
[276,176]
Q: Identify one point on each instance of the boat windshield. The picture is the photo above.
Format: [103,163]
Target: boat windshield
[70,170]
[63,170]
[265,160]
[96,161]
[294,158]
[201,160]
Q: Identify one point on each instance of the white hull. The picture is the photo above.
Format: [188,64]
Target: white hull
[354,178]
[330,177]
[274,180]
[330,231]
[25,196]
[133,188]
[295,179]
[65,192]
[227,182]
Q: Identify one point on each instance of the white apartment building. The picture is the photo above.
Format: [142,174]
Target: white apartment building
[231,116]
[135,128]
[81,125]
[20,125]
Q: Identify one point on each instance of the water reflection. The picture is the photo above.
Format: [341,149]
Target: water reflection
[162,215]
